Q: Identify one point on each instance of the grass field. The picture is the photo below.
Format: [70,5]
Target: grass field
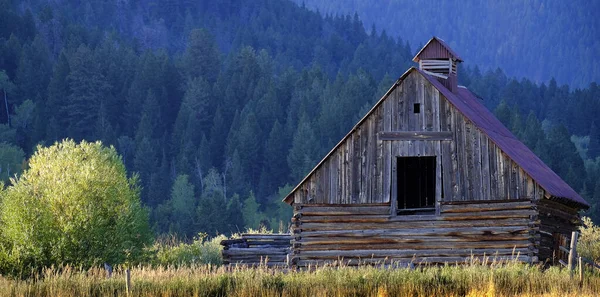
[473,280]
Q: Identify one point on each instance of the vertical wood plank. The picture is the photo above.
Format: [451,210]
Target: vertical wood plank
[387,151]
[485,169]
[356,168]
[456,185]
[379,156]
[435,102]
[476,176]
[446,157]
[531,185]
[493,171]
[514,180]
[401,106]
[318,181]
[364,188]
[468,156]
[371,159]
[428,106]
[394,177]
[501,174]
[506,176]
[438,176]
[332,178]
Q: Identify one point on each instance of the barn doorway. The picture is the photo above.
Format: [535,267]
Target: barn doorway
[416,185]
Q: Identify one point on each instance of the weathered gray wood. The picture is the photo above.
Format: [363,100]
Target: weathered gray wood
[413,224]
[414,135]
[573,251]
[128,281]
[469,169]
[408,253]
[514,180]
[416,244]
[437,232]
[493,171]
[379,196]
[350,210]
[387,154]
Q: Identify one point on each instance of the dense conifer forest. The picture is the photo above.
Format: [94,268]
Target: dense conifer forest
[221,107]
[534,39]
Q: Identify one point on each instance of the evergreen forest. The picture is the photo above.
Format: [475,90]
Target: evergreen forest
[221,107]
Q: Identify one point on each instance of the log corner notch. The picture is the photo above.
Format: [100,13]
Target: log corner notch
[414,135]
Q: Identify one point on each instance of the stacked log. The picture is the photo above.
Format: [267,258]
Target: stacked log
[257,249]
[367,233]
[557,221]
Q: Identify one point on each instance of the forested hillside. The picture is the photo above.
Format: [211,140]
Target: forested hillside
[221,107]
[534,39]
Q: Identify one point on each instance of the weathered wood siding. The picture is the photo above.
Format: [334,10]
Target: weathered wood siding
[555,218]
[366,233]
[362,168]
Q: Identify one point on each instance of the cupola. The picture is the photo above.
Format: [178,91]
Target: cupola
[437,59]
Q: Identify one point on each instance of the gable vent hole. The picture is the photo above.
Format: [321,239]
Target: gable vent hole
[417,108]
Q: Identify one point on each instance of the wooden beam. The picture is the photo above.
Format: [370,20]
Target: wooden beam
[415,135]
[436,74]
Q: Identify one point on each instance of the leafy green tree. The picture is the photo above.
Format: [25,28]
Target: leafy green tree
[73,205]
[11,161]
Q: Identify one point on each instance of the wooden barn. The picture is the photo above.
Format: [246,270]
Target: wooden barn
[430,175]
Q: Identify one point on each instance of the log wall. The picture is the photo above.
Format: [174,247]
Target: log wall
[367,233]
[257,249]
[361,169]
[555,219]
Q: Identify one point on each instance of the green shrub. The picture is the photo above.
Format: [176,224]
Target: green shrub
[200,251]
[74,205]
[589,240]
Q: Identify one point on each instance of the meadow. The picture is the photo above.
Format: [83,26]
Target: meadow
[512,279]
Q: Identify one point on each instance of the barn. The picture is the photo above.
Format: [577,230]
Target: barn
[429,175]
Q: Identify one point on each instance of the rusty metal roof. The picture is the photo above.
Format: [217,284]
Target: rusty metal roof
[472,108]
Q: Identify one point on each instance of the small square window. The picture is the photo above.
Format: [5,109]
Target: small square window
[417,108]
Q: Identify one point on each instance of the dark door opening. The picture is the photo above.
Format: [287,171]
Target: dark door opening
[416,185]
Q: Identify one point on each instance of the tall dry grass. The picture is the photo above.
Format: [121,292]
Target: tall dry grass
[511,279]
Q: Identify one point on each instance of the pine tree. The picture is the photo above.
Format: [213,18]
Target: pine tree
[303,151]
[594,146]
[183,204]
[275,166]
[250,147]
[144,163]
[252,216]
[201,58]
[58,91]
[235,217]
[88,89]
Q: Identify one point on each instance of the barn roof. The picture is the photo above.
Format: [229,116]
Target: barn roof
[471,107]
[436,47]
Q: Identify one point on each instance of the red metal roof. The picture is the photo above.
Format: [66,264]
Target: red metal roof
[436,48]
[472,108]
